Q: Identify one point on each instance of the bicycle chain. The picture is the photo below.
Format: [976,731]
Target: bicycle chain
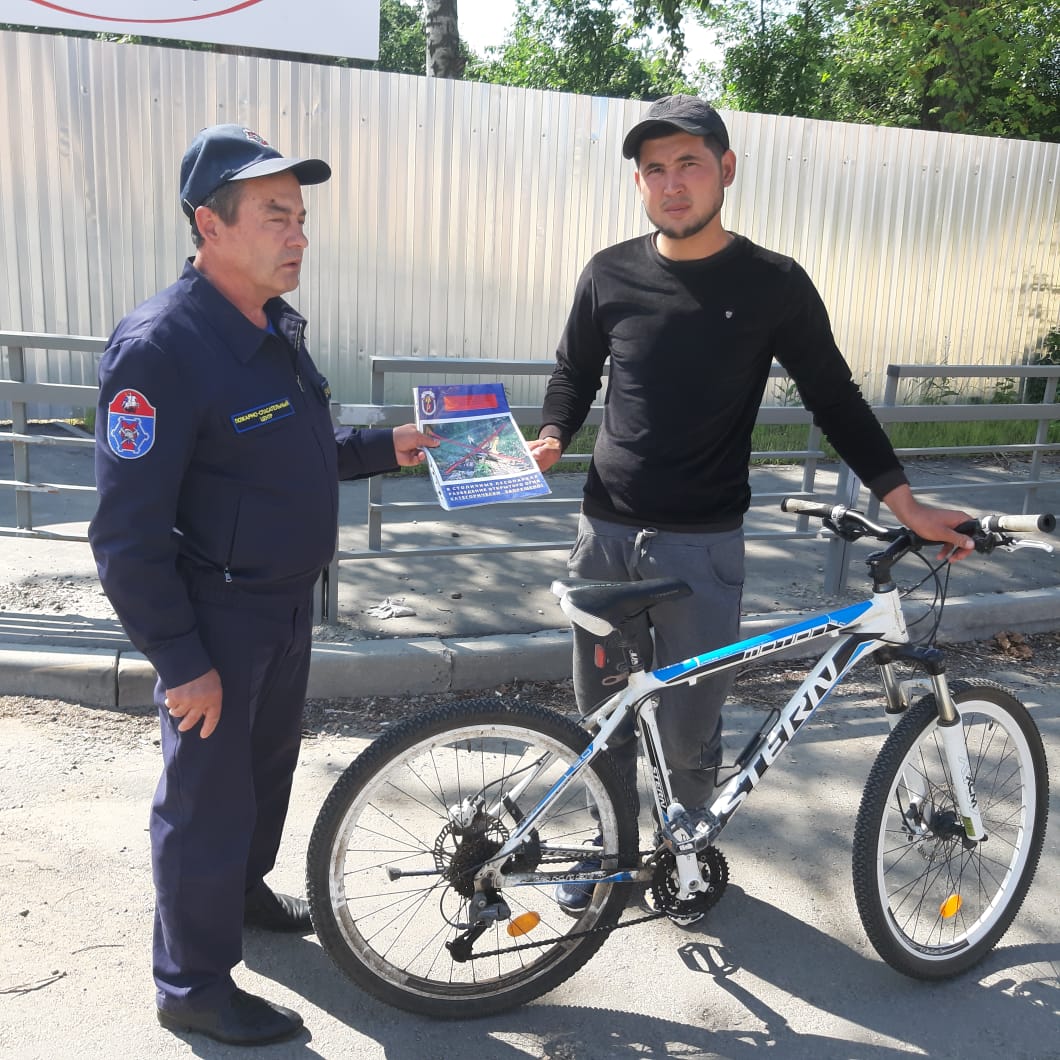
[720,873]
[565,938]
[540,943]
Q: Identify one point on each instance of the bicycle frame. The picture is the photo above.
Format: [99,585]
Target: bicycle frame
[477,811]
[858,630]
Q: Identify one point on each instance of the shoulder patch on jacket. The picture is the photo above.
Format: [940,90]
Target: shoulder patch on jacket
[130,424]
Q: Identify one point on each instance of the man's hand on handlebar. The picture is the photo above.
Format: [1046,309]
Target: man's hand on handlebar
[932,524]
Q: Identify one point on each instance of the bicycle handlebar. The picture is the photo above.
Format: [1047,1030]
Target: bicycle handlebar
[798,506]
[988,531]
[1018,524]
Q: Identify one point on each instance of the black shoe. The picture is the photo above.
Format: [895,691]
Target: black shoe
[245,1019]
[276,912]
[574,897]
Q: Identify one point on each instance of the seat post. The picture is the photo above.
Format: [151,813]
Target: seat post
[628,643]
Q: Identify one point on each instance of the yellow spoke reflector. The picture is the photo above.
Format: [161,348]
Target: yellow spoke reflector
[951,906]
[523,924]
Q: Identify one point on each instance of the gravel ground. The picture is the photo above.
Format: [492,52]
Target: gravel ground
[57,595]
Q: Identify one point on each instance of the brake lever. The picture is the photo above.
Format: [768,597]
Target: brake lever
[1014,545]
[846,530]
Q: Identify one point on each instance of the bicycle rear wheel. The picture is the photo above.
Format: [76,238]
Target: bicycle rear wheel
[391,865]
[933,905]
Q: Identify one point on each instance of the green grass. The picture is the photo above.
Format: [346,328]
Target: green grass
[781,437]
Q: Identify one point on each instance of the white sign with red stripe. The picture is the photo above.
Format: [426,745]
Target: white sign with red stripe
[348,28]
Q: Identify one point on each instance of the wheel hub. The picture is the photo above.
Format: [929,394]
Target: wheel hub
[460,852]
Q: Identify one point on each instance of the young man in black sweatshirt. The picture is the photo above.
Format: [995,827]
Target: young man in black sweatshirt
[691,318]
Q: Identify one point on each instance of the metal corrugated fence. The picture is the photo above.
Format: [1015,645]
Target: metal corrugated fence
[460,214]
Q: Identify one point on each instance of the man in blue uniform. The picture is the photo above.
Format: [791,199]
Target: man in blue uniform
[217,467]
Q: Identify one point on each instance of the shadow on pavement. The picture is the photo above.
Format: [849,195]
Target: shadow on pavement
[800,966]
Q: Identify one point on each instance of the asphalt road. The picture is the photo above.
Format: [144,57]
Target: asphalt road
[781,963]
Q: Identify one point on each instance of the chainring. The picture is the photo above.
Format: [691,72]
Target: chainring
[665,886]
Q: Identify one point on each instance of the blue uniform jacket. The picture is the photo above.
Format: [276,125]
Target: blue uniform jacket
[217,467]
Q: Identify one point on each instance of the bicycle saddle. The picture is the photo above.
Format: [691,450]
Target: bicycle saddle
[601,607]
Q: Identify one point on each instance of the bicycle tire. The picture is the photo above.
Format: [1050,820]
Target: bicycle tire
[390,808]
[931,907]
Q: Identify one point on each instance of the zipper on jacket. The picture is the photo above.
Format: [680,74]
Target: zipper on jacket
[299,332]
[232,545]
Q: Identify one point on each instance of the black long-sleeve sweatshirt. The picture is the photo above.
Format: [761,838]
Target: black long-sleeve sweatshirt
[690,345]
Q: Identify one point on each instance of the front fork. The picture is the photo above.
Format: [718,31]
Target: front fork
[951,735]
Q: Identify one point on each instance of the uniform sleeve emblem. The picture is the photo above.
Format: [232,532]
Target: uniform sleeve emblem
[130,424]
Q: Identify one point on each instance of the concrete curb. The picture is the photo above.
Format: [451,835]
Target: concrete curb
[104,677]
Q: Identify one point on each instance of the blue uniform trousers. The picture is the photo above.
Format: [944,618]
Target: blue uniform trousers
[219,809]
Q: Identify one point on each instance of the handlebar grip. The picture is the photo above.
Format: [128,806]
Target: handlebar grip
[1020,524]
[799,506]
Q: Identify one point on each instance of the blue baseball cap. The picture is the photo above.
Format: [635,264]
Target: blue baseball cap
[232,152]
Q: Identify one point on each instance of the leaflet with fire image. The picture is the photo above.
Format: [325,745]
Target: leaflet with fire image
[482,457]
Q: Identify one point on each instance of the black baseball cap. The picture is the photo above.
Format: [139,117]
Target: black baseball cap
[678,113]
[232,152]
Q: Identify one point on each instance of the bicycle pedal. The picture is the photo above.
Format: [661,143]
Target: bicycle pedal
[691,832]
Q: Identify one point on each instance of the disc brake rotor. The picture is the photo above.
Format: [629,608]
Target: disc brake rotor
[459,853]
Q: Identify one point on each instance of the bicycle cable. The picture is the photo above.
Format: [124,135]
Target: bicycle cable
[935,608]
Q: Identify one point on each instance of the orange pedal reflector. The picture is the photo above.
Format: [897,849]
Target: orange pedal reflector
[523,924]
[951,906]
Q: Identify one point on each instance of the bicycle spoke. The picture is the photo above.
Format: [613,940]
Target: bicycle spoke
[398,858]
[930,899]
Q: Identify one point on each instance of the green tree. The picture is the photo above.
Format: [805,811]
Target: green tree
[778,58]
[971,66]
[586,46]
[402,39]
[668,17]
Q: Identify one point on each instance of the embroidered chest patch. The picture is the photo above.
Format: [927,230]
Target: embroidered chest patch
[130,424]
[258,417]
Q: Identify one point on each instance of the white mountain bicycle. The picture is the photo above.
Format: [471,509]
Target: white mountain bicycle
[434,860]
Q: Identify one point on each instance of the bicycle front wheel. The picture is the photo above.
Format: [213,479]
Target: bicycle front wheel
[932,903]
[397,844]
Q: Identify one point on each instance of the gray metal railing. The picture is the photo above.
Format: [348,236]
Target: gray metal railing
[847,491]
[378,412]
[1041,413]
[21,394]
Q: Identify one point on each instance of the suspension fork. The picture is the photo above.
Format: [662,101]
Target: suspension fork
[951,732]
[950,729]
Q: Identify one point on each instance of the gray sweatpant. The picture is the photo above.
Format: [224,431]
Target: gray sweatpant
[690,716]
